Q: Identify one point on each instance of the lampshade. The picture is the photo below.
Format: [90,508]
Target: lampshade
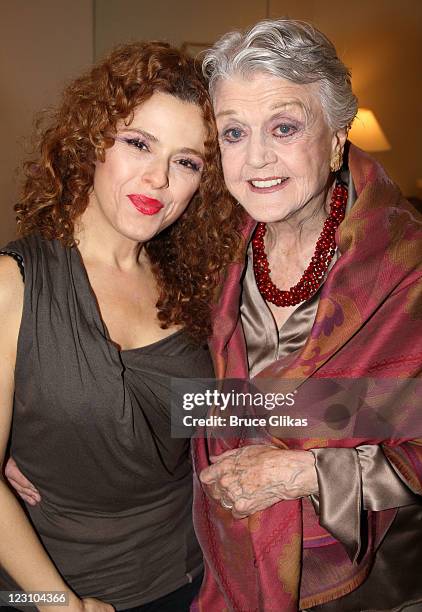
[367,133]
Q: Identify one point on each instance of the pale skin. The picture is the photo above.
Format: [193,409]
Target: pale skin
[271,128]
[165,164]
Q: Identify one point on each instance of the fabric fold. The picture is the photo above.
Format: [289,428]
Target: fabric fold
[340,507]
[368,476]
[382,487]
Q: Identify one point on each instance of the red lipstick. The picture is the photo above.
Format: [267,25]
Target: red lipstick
[144,204]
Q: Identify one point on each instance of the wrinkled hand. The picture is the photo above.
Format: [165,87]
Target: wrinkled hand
[252,478]
[23,487]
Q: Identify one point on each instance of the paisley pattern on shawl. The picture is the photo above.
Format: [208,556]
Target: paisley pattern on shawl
[367,320]
[327,325]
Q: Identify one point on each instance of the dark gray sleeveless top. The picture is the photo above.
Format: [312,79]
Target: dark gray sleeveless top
[91,429]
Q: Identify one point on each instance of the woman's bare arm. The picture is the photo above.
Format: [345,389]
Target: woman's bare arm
[21,552]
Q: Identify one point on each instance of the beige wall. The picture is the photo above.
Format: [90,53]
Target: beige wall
[176,21]
[380,40]
[43,43]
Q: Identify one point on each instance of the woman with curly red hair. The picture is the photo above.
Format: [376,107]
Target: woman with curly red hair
[125,227]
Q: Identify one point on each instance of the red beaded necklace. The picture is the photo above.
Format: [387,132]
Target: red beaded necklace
[312,277]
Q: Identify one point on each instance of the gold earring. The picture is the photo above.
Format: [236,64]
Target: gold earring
[337,161]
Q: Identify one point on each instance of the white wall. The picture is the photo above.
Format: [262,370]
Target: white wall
[43,44]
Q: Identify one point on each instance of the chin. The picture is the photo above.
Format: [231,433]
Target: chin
[258,213]
[138,234]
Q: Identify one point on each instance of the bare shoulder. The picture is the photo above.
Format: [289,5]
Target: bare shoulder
[11,283]
[11,301]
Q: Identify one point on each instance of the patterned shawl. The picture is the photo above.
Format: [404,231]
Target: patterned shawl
[368,320]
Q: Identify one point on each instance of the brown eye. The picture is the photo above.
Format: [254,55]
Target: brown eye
[189,164]
[137,144]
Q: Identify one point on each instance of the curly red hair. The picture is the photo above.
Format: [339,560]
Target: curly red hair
[189,256]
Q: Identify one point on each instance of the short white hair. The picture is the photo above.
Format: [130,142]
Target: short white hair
[292,50]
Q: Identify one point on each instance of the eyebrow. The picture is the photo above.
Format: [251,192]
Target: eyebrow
[143,133]
[276,106]
[189,151]
[151,138]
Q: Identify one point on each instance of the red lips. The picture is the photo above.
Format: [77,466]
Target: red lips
[144,204]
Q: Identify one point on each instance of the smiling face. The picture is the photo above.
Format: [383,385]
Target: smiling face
[152,171]
[276,146]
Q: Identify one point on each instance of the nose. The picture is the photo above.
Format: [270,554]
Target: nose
[260,151]
[157,174]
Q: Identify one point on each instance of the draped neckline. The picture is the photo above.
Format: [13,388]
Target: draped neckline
[98,319]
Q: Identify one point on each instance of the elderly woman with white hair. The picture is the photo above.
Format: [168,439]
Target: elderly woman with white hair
[331,288]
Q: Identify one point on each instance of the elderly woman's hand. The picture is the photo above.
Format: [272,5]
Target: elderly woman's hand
[252,478]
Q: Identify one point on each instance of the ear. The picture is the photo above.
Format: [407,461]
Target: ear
[337,146]
[338,140]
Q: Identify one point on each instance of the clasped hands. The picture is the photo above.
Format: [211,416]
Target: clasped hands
[252,478]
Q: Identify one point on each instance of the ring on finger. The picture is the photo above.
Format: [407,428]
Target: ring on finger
[226,505]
